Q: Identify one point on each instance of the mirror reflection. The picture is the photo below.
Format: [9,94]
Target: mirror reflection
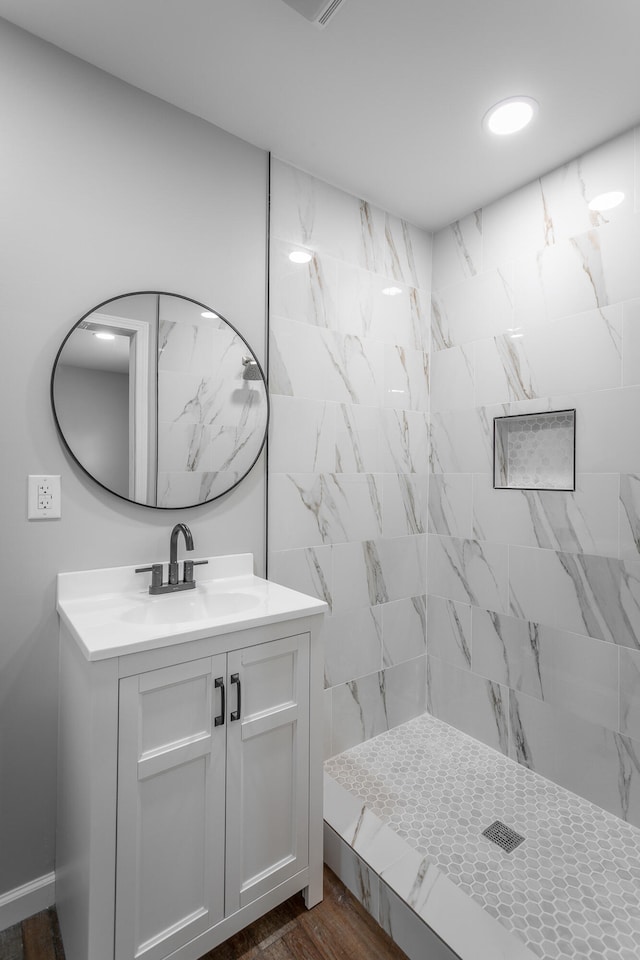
[160,400]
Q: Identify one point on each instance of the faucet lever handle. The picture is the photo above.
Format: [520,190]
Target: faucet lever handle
[156,573]
[188,569]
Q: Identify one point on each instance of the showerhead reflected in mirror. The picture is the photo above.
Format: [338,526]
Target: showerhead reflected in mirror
[160,400]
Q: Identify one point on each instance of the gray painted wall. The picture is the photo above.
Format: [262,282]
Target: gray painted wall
[105,190]
[93,410]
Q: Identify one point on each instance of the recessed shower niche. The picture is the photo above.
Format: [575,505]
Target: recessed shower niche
[535,451]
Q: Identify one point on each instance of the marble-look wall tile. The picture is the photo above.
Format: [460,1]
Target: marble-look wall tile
[568,190]
[631,343]
[359,712]
[414,937]
[356,875]
[365,707]
[593,596]
[462,440]
[468,571]
[449,634]
[378,571]
[592,761]
[630,693]
[349,444]
[588,271]
[582,521]
[309,570]
[189,347]
[555,207]
[358,578]
[325,365]
[607,421]
[451,504]
[474,705]
[402,316]
[327,723]
[404,504]
[574,672]
[324,508]
[357,439]
[352,644]
[403,630]
[406,379]
[531,363]
[355,296]
[466,926]
[605,427]
[401,251]
[178,489]
[356,301]
[559,281]
[515,226]
[403,563]
[313,424]
[453,378]
[405,441]
[314,214]
[544,315]
[457,251]
[305,292]
[629,516]
[406,690]
[480,307]
[310,213]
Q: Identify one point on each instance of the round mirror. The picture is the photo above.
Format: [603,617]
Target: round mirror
[160,400]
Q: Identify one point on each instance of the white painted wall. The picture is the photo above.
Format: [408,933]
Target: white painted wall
[103,190]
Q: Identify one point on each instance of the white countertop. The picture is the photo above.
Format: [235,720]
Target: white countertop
[110,612]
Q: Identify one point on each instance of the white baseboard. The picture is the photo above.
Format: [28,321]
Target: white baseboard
[23,902]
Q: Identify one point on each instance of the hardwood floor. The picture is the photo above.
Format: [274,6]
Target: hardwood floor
[337,929]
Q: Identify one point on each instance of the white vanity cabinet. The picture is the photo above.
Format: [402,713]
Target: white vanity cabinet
[209,817]
[190,777]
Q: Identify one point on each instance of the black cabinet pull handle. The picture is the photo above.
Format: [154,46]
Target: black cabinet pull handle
[235,714]
[219,683]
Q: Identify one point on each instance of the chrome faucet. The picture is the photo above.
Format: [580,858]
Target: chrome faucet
[173,583]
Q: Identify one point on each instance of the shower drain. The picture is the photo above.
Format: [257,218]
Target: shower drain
[503,835]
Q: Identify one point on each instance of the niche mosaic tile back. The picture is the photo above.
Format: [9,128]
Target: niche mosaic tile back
[535,451]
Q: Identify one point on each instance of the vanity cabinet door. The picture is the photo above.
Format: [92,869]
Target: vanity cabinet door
[267,768]
[171,800]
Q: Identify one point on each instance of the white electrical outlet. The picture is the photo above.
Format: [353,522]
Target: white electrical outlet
[43,498]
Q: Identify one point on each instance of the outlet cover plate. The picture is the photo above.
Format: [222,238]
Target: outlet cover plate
[43,498]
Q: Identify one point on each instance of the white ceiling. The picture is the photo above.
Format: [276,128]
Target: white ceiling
[385,102]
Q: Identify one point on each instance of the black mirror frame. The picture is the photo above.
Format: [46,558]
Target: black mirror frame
[151,506]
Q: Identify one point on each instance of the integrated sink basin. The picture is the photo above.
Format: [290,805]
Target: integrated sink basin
[111,613]
[180,608]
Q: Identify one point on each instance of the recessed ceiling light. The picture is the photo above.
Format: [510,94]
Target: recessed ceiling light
[606,201]
[392,291]
[510,115]
[209,315]
[105,336]
[299,256]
